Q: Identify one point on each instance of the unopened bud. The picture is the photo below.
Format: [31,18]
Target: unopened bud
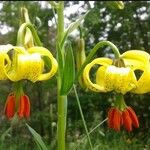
[28,40]
[80,58]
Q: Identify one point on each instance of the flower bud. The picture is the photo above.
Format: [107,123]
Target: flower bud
[80,58]
[28,39]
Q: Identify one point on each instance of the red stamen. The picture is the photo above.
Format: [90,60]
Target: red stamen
[110,117]
[127,121]
[9,108]
[21,107]
[133,117]
[27,106]
[117,120]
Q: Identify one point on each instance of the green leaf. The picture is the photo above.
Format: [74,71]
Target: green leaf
[72,27]
[68,71]
[41,145]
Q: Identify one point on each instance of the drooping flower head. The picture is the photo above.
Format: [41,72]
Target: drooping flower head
[26,64]
[31,66]
[120,76]
[122,79]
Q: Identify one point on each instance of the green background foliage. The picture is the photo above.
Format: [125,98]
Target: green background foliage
[127,29]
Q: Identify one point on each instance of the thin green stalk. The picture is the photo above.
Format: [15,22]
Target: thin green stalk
[91,132]
[82,116]
[5,134]
[94,50]
[98,125]
[53,10]
[61,99]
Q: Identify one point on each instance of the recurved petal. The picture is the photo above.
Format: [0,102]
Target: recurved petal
[54,65]
[139,60]
[11,70]
[143,83]
[136,57]
[5,61]
[5,64]
[86,74]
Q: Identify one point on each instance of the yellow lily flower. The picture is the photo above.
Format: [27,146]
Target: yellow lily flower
[110,77]
[45,52]
[139,60]
[121,79]
[5,62]
[28,64]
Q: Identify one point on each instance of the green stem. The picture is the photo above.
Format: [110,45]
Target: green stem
[62,107]
[119,102]
[21,32]
[60,23]
[82,116]
[61,99]
[94,50]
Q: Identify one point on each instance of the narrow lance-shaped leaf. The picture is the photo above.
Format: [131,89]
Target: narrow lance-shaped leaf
[72,27]
[68,71]
[41,145]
